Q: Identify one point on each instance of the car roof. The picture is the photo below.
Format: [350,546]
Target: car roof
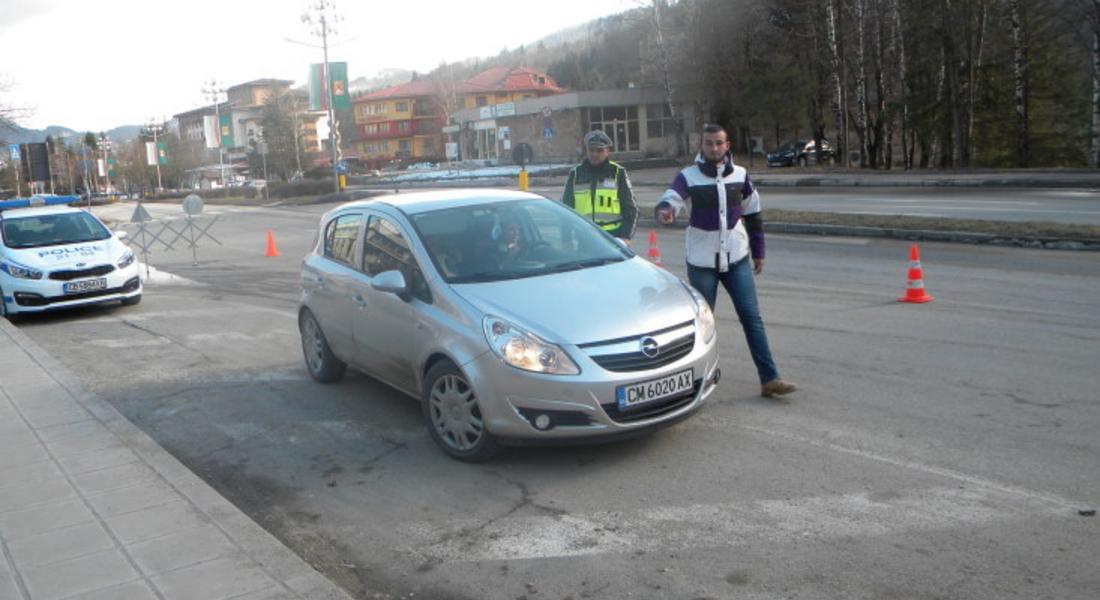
[421,202]
[37,211]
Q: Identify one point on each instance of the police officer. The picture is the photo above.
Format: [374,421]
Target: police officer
[599,189]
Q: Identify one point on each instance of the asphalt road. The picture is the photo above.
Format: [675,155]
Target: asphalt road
[1079,206]
[935,451]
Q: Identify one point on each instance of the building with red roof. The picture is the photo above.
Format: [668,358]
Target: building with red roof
[405,122]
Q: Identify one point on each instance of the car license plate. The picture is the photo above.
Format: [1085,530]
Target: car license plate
[88,285]
[655,389]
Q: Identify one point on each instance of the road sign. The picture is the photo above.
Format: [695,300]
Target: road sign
[140,214]
[14,149]
[192,204]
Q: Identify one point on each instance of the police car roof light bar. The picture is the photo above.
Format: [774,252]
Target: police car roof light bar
[35,201]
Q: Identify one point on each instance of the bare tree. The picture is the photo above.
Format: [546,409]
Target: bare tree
[839,109]
[861,81]
[9,115]
[666,80]
[1019,72]
[898,39]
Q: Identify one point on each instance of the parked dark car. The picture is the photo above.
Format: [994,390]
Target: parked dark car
[801,153]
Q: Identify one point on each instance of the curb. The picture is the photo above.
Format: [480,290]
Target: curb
[256,543]
[922,235]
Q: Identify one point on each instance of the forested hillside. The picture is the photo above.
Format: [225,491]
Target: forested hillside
[893,83]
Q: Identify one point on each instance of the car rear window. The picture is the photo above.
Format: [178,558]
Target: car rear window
[53,230]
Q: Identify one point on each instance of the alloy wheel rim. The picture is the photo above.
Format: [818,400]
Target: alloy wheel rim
[455,414]
[313,345]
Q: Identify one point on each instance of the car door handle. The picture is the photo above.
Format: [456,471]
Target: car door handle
[359,300]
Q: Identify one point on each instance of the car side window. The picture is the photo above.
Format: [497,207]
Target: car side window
[386,249]
[340,237]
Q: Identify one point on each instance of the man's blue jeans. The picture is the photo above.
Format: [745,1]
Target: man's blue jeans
[738,281]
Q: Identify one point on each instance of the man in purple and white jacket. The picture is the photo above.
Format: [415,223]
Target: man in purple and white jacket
[724,231]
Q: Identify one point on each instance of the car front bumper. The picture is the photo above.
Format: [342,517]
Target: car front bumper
[41,295]
[583,407]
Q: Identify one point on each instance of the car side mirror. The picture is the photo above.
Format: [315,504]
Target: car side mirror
[392,282]
[121,234]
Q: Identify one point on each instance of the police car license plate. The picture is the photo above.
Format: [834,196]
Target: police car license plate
[88,285]
[655,389]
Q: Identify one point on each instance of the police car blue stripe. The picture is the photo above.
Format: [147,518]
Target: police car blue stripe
[37,201]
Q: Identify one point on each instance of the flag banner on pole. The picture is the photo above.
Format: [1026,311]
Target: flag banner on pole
[227,130]
[318,100]
[162,152]
[150,153]
[210,130]
[338,75]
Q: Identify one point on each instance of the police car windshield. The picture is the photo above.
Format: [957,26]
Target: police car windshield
[53,230]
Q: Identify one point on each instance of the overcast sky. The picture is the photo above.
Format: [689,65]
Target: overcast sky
[97,64]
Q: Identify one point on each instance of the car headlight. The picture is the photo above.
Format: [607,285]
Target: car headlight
[524,350]
[126,260]
[704,315]
[19,271]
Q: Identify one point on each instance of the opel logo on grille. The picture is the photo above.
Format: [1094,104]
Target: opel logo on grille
[650,347]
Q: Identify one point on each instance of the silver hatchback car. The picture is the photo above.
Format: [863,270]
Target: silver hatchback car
[511,318]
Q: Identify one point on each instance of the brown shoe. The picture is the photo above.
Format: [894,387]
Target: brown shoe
[777,387]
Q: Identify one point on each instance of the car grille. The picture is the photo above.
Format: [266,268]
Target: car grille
[25,299]
[70,275]
[671,350]
[652,409]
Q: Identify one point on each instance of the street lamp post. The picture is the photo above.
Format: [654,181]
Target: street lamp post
[323,20]
[215,93]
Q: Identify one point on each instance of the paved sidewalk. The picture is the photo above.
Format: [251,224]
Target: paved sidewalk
[92,508]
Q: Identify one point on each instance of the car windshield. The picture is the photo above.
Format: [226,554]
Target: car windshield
[53,230]
[511,240]
[788,147]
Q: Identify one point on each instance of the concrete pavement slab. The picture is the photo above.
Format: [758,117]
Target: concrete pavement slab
[91,507]
[84,574]
[60,545]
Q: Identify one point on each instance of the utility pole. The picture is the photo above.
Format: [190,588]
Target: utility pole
[155,127]
[105,144]
[323,18]
[214,91]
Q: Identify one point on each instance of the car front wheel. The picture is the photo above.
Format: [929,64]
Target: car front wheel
[454,417]
[321,363]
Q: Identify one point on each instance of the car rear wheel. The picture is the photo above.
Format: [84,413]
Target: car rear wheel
[453,416]
[802,161]
[321,363]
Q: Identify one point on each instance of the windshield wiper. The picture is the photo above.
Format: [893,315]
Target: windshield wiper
[575,265]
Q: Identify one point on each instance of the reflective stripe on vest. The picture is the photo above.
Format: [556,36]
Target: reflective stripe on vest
[604,210]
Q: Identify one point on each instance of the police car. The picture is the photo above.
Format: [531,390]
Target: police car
[54,256]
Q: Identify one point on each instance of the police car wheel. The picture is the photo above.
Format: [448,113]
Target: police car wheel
[131,301]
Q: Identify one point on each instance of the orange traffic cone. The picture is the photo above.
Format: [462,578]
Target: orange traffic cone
[914,291]
[654,251]
[272,250]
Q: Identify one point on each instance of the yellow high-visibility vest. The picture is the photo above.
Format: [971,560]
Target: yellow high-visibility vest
[604,208]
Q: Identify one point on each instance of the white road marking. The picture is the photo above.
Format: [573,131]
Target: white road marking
[129,342]
[1055,502]
[843,241]
[673,528]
